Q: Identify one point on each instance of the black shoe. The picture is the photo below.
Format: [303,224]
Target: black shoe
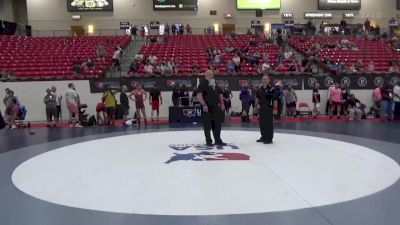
[260,140]
[221,143]
[210,145]
[268,142]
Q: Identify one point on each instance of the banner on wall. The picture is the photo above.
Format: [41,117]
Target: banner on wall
[356,82]
[235,83]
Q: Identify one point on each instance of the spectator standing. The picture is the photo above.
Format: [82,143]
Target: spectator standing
[167,28]
[188,29]
[396,100]
[377,98]
[124,101]
[148,68]
[245,97]
[386,112]
[280,97]
[227,95]
[335,98]
[155,101]
[110,102]
[116,59]
[50,101]
[59,101]
[101,53]
[290,99]
[134,31]
[316,99]
[72,102]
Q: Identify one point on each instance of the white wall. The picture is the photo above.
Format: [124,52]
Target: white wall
[31,94]
[6,10]
[53,14]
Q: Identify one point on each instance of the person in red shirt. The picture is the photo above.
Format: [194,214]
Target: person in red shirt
[335,98]
[101,112]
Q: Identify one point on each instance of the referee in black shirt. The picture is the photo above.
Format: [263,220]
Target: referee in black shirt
[210,97]
[267,105]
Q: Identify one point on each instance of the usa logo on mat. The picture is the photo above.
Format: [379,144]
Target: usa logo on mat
[191,152]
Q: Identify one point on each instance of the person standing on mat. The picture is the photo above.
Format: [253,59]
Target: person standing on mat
[155,101]
[140,98]
[211,98]
[267,106]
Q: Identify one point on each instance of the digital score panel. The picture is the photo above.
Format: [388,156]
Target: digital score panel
[339,4]
[160,5]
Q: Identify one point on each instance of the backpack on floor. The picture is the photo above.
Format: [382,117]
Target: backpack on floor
[91,121]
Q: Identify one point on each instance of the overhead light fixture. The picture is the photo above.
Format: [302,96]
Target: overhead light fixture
[90,29]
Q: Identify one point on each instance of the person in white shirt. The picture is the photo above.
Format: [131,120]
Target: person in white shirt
[236,60]
[116,58]
[152,59]
[265,67]
[72,101]
[288,54]
[139,56]
[59,99]
[148,68]
[396,100]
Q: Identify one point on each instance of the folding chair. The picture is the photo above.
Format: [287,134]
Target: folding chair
[304,110]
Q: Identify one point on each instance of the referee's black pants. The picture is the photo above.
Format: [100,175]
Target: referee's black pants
[266,123]
[212,120]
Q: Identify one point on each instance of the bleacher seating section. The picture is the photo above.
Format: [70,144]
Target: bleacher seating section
[380,53]
[191,48]
[54,57]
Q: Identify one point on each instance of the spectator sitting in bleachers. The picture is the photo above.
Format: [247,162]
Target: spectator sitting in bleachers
[213,67]
[394,67]
[168,68]
[134,68]
[230,49]
[78,67]
[371,67]
[288,54]
[353,68]
[196,68]
[217,58]
[139,56]
[209,51]
[230,68]
[265,67]
[236,60]
[360,66]
[254,59]
[152,59]
[148,68]
[159,69]
[88,65]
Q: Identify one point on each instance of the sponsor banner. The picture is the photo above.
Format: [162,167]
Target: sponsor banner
[356,82]
[235,83]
